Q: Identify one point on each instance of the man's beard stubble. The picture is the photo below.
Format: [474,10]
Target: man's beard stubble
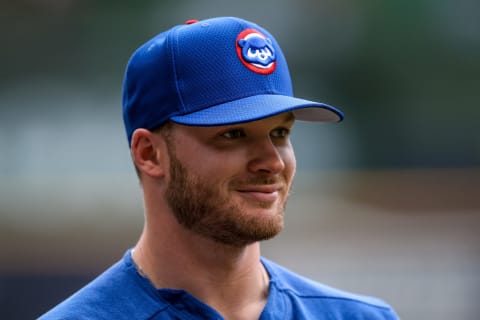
[199,207]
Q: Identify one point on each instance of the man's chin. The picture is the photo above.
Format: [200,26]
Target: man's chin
[260,205]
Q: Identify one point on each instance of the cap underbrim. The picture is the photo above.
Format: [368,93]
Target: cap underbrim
[260,107]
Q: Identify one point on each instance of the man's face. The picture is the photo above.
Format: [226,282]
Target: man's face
[230,183]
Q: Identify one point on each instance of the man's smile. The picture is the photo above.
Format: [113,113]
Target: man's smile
[262,193]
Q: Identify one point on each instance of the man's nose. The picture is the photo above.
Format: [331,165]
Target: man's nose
[265,157]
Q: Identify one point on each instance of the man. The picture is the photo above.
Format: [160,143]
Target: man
[208,109]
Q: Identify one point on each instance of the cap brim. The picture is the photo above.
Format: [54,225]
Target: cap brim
[260,107]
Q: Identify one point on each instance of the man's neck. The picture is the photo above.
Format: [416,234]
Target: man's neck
[232,280]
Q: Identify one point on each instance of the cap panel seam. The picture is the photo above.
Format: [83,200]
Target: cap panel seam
[173,43]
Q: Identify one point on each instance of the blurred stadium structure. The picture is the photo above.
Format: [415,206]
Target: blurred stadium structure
[386,203]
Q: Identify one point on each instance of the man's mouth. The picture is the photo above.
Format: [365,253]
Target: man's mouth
[262,193]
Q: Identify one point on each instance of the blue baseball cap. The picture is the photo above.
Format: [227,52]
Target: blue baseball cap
[212,72]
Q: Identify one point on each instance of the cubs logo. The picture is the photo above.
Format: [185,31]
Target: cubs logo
[256,51]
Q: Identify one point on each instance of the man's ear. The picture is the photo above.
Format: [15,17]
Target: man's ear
[149,153]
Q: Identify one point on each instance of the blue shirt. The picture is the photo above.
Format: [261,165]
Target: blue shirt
[122,293]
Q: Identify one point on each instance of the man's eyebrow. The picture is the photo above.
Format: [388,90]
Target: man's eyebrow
[289,117]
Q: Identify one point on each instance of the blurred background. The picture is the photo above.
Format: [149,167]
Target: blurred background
[386,203]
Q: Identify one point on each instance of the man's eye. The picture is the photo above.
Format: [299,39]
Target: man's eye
[280,133]
[234,134]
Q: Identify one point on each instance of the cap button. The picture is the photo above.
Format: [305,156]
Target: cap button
[191,21]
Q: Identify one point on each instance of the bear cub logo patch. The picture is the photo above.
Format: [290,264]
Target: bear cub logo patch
[256,51]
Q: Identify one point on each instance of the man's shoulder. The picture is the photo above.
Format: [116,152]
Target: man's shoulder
[108,296]
[309,294]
